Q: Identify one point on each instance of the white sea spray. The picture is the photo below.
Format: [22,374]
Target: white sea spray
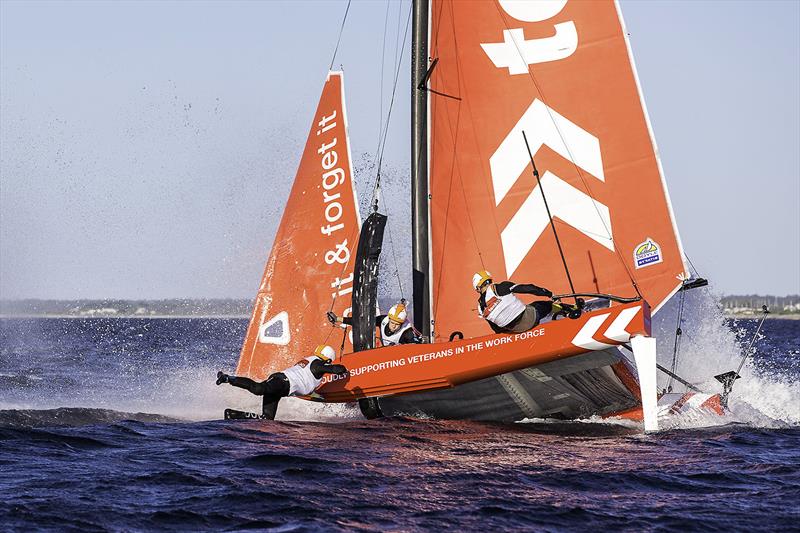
[710,346]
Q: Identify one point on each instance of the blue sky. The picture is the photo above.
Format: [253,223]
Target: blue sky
[146,148]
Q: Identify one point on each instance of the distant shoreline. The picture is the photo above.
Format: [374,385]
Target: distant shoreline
[738,316]
[738,308]
[144,317]
[757,316]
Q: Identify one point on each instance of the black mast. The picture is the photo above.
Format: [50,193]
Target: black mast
[419,167]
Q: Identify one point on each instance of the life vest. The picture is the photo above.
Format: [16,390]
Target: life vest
[301,381]
[394,338]
[501,310]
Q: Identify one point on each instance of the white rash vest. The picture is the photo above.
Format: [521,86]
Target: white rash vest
[394,338]
[301,381]
[501,310]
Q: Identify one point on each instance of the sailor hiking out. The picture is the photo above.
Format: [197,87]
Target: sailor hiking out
[301,379]
[505,313]
[394,326]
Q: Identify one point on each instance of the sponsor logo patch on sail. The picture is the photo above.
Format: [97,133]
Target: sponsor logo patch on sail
[647,253]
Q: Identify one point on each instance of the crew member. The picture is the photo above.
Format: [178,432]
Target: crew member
[506,313]
[299,380]
[394,326]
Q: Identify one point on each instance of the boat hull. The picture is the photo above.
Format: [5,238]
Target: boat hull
[416,368]
[578,387]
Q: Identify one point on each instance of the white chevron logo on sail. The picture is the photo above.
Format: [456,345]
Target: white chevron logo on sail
[543,126]
[616,331]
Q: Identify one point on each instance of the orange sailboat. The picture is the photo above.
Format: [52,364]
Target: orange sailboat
[532,157]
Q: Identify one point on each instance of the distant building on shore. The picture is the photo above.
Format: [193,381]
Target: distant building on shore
[751,303]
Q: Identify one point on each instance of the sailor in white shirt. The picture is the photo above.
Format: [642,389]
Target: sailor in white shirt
[506,313]
[301,379]
[395,328]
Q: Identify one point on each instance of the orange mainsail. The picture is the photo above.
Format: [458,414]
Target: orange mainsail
[310,265]
[562,73]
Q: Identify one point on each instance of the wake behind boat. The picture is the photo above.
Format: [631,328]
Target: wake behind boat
[502,91]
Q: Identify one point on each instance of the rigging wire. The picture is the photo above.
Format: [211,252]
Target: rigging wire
[377,185]
[397,31]
[394,256]
[717,303]
[383,62]
[385,132]
[341,30]
[453,126]
[377,192]
[455,170]
[344,338]
[696,272]
[678,336]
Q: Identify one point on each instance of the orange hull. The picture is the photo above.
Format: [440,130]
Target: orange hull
[425,367]
[707,403]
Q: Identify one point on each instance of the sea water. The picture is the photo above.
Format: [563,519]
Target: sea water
[114,424]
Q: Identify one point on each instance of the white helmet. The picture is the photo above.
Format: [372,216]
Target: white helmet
[480,278]
[398,313]
[325,352]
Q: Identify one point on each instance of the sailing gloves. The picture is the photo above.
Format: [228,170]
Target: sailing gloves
[331,317]
[222,378]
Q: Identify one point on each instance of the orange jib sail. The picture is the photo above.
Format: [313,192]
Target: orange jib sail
[562,73]
[310,267]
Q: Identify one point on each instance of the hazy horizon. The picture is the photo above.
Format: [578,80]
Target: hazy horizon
[146,149]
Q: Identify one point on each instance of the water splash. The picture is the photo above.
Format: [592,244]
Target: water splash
[766,395]
[193,395]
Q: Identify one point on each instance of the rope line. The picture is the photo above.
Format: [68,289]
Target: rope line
[341,30]
[377,193]
[394,256]
[385,132]
[383,62]
[678,336]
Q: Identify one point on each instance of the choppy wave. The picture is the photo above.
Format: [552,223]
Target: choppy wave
[396,474]
[72,416]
